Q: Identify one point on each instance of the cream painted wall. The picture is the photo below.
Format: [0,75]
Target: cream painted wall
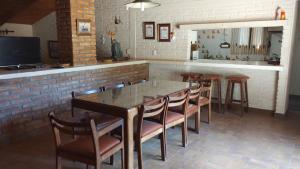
[130,33]
[46,30]
[295,73]
[20,29]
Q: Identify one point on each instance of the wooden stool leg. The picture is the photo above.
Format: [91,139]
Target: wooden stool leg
[242,98]
[247,98]
[232,92]
[227,96]
[219,95]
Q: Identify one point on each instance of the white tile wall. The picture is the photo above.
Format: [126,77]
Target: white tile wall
[189,11]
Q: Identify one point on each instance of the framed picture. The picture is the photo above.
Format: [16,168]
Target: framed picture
[149,30]
[164,31]
[84,27]
[53,49]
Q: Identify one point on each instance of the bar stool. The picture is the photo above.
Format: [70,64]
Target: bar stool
[190,77]
[242,80]
[217,79]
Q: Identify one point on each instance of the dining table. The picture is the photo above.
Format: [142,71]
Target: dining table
[124,102]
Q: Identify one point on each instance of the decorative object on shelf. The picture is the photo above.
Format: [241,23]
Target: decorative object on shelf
[142,4]
[53,49]
[277,13]
[164,32]
[117,20]
[116,50]
[5,32]
[282,15]
[225,44]
[149,30]
[195,46]
[84,27]
[172,36]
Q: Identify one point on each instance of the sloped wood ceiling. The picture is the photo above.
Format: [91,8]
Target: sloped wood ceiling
[25,11]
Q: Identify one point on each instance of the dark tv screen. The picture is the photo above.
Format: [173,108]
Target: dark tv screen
[19,50]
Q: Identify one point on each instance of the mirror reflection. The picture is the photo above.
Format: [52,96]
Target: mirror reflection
[244,44]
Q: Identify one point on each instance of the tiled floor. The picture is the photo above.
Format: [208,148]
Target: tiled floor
[255,141]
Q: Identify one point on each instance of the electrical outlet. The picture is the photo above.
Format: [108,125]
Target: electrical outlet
[154,52]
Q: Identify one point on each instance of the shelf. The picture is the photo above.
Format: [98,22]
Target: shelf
[225,25]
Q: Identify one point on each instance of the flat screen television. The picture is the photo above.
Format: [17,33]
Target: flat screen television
[19,51]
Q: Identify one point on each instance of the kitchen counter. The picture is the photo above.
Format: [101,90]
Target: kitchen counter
[256,65]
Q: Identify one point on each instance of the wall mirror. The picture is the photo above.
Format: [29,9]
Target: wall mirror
[245,44]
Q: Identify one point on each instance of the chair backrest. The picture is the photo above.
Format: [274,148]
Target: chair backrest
[194,93]
[114,86]
[68,128]
[86,129]
[178,99]
[136,82]
[206,91]
[152,108]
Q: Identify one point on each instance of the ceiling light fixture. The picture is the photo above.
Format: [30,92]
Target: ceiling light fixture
[142,4]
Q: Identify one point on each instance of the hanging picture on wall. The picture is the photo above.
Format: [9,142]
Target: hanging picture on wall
[84,27]
[164,31]
[53,49]
[149,30]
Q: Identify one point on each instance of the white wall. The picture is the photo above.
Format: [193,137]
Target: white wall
[46,30]
[130,33]
[20,29]
[295,74]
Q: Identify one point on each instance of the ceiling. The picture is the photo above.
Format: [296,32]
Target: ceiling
[25,11]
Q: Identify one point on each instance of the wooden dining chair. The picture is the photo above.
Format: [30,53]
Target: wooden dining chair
[205,100]
[193,107]
[147,129]
[137,82]
[101,120]
[177,113]
[91,146]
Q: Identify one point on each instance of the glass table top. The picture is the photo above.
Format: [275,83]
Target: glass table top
[134,95]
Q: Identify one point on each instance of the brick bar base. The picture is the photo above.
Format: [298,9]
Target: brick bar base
[25,102]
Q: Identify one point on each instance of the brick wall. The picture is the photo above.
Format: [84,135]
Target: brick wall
[75,49]
[25,102]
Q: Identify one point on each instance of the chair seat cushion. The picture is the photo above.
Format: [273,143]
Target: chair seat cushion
[173,116]
[150,127]
[84,146]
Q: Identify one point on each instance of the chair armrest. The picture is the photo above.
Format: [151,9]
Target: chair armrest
[107,129]
[205,89]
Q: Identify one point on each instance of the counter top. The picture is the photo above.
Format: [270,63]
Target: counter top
[257,65]
[202,62]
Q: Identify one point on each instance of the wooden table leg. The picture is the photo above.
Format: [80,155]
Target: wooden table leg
[129,138]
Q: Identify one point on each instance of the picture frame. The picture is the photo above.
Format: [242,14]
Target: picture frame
[53,49]
[164,31]
[149,30]
[84,27]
